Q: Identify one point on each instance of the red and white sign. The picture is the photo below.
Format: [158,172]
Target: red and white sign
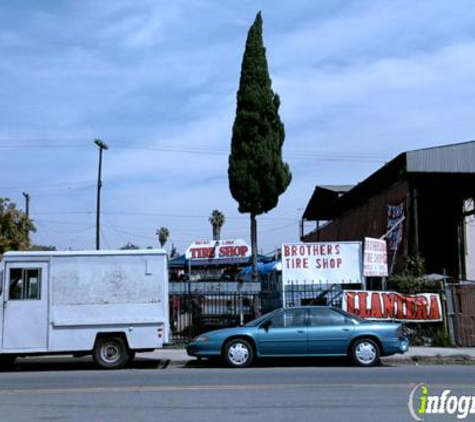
[321,263]
[375,258]
[423,307]
[218,249]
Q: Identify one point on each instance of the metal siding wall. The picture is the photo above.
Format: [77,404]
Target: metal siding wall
[464,315]
[367,219]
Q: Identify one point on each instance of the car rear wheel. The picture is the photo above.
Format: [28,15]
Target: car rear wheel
[239,353]
[365,352]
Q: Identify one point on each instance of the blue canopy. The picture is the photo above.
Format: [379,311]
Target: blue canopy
[263,268]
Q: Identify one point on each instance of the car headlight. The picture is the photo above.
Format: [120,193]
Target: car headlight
[202,338]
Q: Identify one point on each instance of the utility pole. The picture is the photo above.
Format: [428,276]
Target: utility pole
[102,146]
[27,204]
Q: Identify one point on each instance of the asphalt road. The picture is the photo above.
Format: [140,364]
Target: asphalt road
[331,391]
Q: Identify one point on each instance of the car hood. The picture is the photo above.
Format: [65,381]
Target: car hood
[224,332]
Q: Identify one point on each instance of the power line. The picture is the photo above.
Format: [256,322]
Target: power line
[46,185]
[290,154]
[151,214]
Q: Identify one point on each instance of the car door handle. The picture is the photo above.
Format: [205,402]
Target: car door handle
[345,329]
[301,331]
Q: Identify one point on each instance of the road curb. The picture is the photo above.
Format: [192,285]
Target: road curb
[430,360]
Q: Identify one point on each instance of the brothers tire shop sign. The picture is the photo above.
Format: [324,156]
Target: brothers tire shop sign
[322,263]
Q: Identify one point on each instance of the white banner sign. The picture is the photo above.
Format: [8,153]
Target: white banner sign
[423,307]
[322,263]
[218,249]
[375,258]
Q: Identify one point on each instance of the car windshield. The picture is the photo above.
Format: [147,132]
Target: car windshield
[257,321]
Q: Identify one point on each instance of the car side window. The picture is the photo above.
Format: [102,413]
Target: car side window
[290,318]
[326,316]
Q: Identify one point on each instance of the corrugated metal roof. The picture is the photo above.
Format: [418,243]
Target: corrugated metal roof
[457,158]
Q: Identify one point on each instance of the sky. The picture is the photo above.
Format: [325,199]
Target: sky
[360,81]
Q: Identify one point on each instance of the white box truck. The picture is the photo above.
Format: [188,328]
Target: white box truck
[110,304]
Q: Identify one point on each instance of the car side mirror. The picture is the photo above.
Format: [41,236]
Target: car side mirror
[266,324]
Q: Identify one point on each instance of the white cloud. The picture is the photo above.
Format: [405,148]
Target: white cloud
[360,81]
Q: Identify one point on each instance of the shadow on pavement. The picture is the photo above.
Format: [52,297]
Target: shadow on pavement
[282,363]
[75,364]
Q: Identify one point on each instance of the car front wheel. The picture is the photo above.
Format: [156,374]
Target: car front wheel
[239,353]
[365,352]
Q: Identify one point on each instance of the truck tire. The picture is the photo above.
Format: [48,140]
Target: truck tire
[111,353]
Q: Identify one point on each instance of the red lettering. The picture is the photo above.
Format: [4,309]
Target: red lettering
[350,302]
[411,305]
[434,312]
[421,308]
[364,312]
[243,250]
[375,306]
[388,310]
[399,301]
[286,250]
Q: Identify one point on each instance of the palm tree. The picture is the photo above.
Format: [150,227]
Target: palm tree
[163,234]
[217,220]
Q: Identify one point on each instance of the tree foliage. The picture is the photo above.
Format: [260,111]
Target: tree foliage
[15,227]
[217,220]
[257,174]
[44,248]
[163,235]
[411,279]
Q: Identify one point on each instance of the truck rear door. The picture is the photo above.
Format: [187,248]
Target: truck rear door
[25,307]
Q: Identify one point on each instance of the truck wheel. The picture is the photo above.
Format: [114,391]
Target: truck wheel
[238,353]
[111,353]
[365,352]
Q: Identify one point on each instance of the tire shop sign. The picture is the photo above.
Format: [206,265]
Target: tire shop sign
[322,263]
[375,258]
[423,307]
[219,250]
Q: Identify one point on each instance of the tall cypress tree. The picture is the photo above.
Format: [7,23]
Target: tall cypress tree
[257,175]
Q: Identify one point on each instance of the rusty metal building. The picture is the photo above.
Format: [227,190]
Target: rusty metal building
[422,194]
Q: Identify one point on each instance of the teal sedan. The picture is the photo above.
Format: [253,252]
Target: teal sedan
[303,331]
